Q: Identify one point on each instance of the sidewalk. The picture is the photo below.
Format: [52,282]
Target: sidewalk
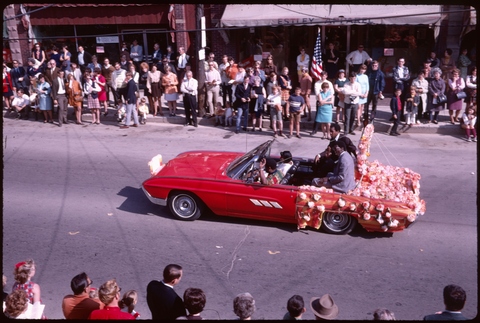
[381,122]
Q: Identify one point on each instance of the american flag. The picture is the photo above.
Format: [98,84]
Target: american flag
[316,68]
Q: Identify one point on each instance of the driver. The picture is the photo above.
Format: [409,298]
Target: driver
[285,162]
[274,175]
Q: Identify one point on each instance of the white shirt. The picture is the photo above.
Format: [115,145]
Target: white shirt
[356,57]
[274,99]
[212,75]
[61,86]
[118,76]
[318,86]
[190,86]
[80,58]
[21,101]
[224,75]
[304,63]
[182,60]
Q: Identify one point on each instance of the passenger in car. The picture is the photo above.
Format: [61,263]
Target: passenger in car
[285,162]
[342,179]
[274,175]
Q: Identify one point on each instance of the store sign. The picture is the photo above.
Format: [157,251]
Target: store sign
[108,40]
[100,50]
[388,52]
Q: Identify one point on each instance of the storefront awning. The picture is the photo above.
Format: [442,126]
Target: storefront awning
[323,14]
[93,14]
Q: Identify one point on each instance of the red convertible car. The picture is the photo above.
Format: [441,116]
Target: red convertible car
[386,198]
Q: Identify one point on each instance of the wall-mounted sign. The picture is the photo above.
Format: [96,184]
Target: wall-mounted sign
[107,40]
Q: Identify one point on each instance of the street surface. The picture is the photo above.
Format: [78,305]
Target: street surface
[73,203]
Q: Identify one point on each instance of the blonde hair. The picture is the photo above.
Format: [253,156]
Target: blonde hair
[108,291]
[16,303]
[129,300]
[22,272]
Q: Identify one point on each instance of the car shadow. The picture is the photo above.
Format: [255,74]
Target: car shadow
[137,202]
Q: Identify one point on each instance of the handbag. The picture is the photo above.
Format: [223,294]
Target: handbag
[461,95]
[441,98]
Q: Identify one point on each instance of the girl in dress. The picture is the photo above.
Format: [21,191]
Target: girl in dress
[7,88]
[91,89]
[469,119]
[44,99]
[23,273]
[411,106]
[324,112]
[170,82]
[75,97]
[455,85]
[153,86]
[128,302]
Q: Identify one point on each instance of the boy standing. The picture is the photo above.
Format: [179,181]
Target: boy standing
[295,106]
[396,107]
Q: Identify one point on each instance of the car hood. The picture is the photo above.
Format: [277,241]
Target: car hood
[198,164]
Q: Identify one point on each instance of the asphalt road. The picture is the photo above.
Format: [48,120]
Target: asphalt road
[73,203]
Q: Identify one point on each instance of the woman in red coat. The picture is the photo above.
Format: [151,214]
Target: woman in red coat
[7,88]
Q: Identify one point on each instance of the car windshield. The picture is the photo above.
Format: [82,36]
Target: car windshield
[238,165]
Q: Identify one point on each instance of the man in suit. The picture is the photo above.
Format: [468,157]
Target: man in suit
[83,58]
[19,77]
[189,88]
[454,298]
[242,99]
[157,54]
[164,62]
[52,74]
[342,180]
[376,80]
[59,96]
[162,300]
[130,101]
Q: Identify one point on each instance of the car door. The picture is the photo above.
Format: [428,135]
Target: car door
[262,202]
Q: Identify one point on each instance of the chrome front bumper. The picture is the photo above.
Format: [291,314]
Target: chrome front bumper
[154,200]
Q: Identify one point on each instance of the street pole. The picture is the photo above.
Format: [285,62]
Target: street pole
[201,63]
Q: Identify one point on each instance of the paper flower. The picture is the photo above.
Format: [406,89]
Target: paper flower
[365,205]
[380,219]
[321,208]
[306,217]
[316,197]
[302,196]
[155,164]
[380,207]
[393,223]
[411,217]
[384,228]
[388,213]
[311,204]
[366,216]
[353,207]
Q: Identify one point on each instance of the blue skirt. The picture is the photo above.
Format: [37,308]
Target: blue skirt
[324,114]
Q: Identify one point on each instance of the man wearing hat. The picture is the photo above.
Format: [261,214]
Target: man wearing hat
[324,308]
[342,179]
[285,162]
[274,175]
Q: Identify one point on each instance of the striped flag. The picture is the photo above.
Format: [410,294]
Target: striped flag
[316,68]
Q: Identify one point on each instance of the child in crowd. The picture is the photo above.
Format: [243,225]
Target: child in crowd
[219,114]
[274,101]
[93,293]
[128,302]
[228,115]
[411,106]
[469,118]
[396,107]
[121,113]
[143,110]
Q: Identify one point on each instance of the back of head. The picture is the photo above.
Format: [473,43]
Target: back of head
[270,162]
[244,305]
[108,291]
[340,144]
[382,314]
[286,155]
[129,300]
[194,300]
[454,297]
[22,271]
[171,272]
[16,303]
[295,305]
[79,283]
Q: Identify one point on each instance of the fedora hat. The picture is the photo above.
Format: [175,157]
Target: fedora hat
[324,307]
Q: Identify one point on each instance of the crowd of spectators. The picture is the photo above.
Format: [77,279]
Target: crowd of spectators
[108,303]
[47,88]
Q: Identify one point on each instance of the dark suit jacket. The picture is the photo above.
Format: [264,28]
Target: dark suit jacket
[87,57]
[351,148]
[394,105]
[49,76]
[242,92]
[163,302]
[15,75]
[130,90]
[445,316]
[157,57]
[55,88]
